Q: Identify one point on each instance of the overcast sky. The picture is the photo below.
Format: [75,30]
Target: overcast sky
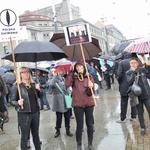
[131,17]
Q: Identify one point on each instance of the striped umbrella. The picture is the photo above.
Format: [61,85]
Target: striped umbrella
[139,46]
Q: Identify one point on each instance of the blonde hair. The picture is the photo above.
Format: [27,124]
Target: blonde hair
[30,77]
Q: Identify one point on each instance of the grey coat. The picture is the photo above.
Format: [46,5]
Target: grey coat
[58,102]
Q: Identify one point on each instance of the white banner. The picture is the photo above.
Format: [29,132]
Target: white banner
[9,24]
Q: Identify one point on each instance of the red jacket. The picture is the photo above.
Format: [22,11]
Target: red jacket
[79,94]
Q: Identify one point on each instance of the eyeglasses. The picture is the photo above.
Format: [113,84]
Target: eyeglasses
[25,72]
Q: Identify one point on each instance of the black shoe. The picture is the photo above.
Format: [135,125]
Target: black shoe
[90,147]
[69,133]
[57,133]
[143,131]
[79,146]
[40,142]
[6,120]
[107,89]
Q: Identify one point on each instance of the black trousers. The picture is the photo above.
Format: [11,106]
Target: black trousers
[107,79]
[79,115]
[124,106]
[27,122]
[140,109]
[59,116]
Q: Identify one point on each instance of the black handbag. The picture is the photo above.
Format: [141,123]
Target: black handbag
[135,89]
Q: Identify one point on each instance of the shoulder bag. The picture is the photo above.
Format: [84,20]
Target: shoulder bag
[135,89]
[68,98]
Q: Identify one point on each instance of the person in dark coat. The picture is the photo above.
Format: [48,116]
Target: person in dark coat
[143,98]
[106,73]
[123,66]
[3,92]
[43,86]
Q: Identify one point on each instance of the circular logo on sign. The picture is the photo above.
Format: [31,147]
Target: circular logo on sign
[8,17]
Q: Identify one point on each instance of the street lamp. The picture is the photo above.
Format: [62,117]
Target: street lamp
[54,16]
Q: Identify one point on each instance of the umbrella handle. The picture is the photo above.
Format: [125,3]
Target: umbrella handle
[87,73]
[13,57]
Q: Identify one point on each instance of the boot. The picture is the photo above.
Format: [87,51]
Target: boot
[79,146]
[68,132]
[90,146]
[57,133]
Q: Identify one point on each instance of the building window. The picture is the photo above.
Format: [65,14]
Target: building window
[45,35]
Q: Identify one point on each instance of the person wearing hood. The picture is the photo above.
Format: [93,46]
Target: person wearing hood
[82,101]
[58,102]
[123,66]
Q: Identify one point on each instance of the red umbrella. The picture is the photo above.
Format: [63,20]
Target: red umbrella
[139,46]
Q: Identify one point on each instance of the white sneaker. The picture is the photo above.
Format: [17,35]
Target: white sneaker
[96,97]
[121,121]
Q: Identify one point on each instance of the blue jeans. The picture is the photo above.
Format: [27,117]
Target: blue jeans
[43,100]
[26,122]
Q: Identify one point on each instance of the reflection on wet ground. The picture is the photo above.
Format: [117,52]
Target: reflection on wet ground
[108,134]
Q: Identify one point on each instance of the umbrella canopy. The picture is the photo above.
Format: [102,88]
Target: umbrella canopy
[120,47]
[9,78]
[74,51]
[34,51]
[44,70]
[107,57]
[1,72]
[139,46]
[8,67]
[2,69]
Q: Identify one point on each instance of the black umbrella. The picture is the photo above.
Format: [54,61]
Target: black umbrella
[107,57]
[34,51]
[9,78]
[44,70]
[120,47]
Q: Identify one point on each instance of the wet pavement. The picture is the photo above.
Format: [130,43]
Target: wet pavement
[108,134]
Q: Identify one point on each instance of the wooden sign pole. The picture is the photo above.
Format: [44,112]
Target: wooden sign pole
[15,70]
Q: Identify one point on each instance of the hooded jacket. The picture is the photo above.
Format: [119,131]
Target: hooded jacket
[80,97]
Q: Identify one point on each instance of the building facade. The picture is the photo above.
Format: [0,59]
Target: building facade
[41,25]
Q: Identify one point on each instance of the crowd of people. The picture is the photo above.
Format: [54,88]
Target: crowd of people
[83,83]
